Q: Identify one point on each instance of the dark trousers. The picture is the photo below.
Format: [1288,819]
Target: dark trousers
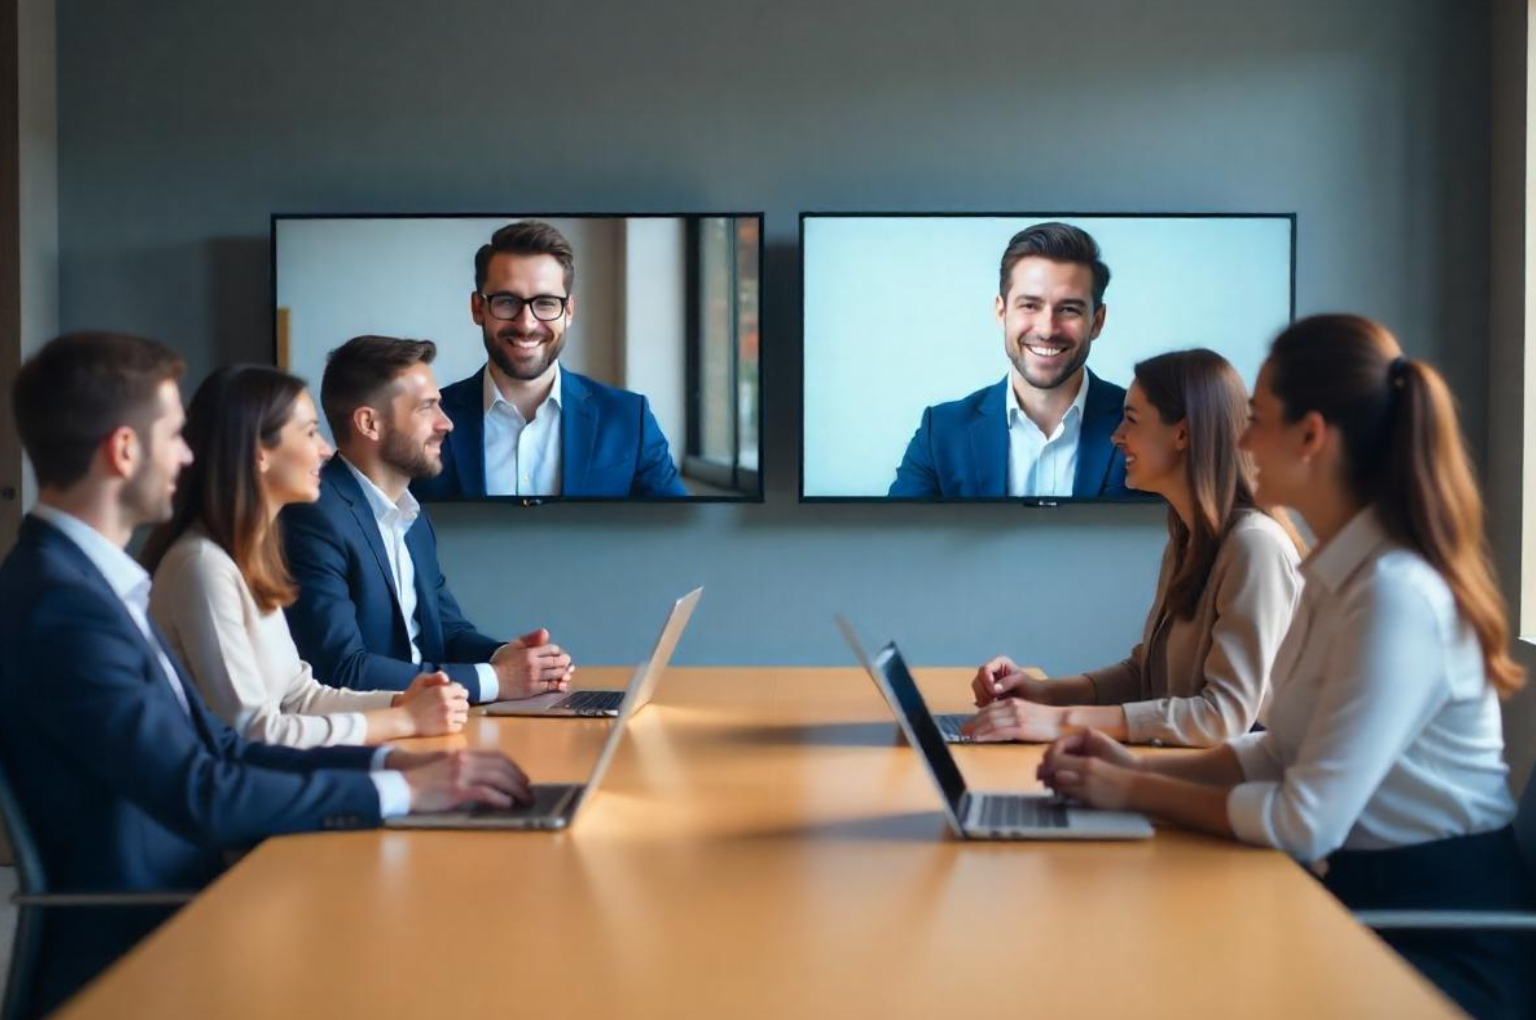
[1489,974]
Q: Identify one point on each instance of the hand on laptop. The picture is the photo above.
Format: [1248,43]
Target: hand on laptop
[986,683]
[531,666]
[434,705]
[1014,719]
[1090,767]
[446,780]
[1002,678]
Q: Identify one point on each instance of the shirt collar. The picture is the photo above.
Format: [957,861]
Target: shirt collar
[1016,410]
[1334,563]
[384,509]
[492,394]
[126,577]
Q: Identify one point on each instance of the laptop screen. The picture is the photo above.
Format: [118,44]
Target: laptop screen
[920,725]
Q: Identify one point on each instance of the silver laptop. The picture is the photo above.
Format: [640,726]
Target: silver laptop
[555,805]
[983,815]
[599,702]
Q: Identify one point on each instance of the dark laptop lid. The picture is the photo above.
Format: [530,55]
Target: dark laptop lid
[917,721]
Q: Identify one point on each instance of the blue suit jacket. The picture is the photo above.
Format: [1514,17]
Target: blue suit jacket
[610,443]
[346,622]
[122,791]
[961,448]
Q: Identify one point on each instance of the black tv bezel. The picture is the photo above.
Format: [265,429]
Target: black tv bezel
[1026,501]
[531,501]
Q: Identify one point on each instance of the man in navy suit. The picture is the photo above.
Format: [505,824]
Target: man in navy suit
[125,779]
[1045,429]
[523,424]
[374,609]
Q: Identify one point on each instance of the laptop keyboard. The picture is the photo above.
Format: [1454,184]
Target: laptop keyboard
[949,725]
[591,702]
[1021,813]
[546,797]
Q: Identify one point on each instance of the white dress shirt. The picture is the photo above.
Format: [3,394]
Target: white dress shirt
[244,660]
[522,457]
[1383,730]
[131,583]
[1040,464]
[394,518]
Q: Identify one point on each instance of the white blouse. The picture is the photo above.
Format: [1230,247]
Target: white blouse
[244,660]
[1383,730]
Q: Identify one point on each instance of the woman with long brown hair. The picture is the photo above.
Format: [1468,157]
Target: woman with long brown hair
[220,580]
[1224,596]
[1383,762]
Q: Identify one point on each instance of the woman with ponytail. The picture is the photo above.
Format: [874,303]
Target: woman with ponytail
[1383,763]
[1228,584]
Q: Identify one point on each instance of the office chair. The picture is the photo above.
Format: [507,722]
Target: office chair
[1472,920]
[33,897]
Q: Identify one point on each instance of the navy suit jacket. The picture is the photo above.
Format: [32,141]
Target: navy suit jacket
[122,791]
[610,443]
[961,448]
[346,622]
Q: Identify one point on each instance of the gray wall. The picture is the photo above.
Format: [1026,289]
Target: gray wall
[183,125]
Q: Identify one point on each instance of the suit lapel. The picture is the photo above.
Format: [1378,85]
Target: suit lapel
[578,433]
[430,636]
[464,403]
[154,673]
[1095,452]
[989,443]
[351,493]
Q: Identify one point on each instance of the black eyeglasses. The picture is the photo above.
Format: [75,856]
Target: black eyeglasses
[546,307]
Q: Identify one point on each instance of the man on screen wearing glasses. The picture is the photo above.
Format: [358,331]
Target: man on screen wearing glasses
[522,425]
[1046,429]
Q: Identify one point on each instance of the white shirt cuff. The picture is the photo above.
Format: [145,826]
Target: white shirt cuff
[1248,807]
[394,792]
[380,756]
[349,728]
[490,686]
[1253,757]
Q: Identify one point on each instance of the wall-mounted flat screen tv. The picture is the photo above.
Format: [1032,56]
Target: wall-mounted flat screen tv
[985,357]
[579,357]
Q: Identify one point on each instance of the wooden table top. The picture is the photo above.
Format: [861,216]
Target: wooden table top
[764,846]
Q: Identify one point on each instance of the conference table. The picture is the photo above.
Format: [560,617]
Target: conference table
[765,845]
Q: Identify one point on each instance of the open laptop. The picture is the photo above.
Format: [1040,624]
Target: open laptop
[983,815]
[949,723]
[555,805]
[598,702]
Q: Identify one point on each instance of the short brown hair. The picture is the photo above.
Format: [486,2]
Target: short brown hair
[73,393]
[1059,242]
[359,369]
[527,237]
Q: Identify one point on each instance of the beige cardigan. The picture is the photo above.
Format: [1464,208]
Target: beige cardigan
[244,660]
[1202,681]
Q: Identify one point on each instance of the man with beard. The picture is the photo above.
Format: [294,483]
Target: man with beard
[374,610]
[126,781]
[1046,429]
[525,426]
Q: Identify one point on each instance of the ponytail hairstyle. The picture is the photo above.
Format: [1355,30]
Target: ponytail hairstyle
[1404,455]
[235,412]
[1201,388]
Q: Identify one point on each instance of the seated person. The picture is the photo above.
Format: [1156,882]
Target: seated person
[1045,429]
[1228,585]
[1382,765]
[373,608]
[127,782]
[256,448]
[525,426]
